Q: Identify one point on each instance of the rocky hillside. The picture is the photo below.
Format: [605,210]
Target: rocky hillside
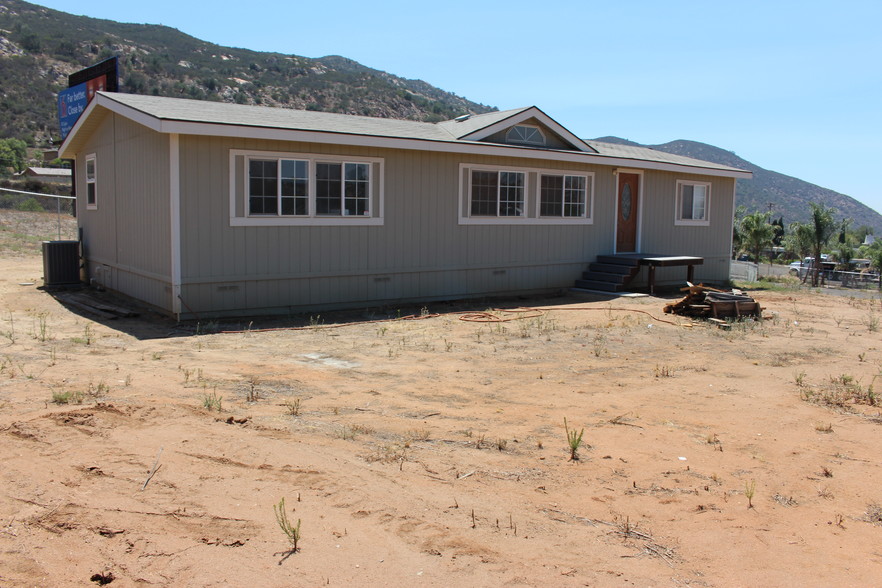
[790,196]
[39,47]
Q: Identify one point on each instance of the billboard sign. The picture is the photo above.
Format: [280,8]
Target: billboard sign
[73,101]
[83,85]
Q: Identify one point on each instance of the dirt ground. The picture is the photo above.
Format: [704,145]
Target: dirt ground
[432,452]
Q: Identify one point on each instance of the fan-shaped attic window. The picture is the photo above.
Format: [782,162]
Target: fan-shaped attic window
[525,134]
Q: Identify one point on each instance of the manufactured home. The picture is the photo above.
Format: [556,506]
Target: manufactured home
[213,209]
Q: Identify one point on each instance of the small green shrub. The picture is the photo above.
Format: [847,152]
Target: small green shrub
[292,532]
[574,440]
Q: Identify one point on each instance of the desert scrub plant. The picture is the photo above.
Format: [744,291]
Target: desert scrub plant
[293,407]
[871,321]
[840,392]
[292,532]
[574,440]
[501,444]
[599,344]
[211,401]
[41,329]
[419,435]
[68,397]
[252,394]
[750,492]
[347,433]
[663,371]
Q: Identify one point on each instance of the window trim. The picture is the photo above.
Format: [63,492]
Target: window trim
[239,188]
[93,181]
[678,204]
[532,196]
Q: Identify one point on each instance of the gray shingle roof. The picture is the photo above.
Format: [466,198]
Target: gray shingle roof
[476,122]
[221,113]
[647,154]
[177,109]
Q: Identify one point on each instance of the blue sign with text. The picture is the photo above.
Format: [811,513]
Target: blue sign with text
[71,104]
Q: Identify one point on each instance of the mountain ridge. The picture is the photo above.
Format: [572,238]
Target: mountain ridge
[40,47]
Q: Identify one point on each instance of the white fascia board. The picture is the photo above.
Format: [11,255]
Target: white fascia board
[471,148]
[532,112]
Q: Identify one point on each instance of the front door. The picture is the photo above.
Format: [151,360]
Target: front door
[626,223]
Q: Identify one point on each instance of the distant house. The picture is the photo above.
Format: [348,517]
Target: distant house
[52,175]
[212,209]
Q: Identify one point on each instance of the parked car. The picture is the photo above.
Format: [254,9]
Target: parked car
[800,268]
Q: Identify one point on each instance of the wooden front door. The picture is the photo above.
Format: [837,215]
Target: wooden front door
[626,223]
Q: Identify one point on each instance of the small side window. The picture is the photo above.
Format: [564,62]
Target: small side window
[91,183]
[693,201]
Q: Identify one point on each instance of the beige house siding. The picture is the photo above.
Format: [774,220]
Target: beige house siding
[419,252]
[661,235]
[127,237]
[147,236]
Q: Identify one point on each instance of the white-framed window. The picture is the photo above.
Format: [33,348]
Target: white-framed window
[278,187]
[693,203]
[342,189]
[527,134]
[91,182]
[563,196]
[497,193]
[282,189]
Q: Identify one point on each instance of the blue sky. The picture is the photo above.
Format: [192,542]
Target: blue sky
[795,87]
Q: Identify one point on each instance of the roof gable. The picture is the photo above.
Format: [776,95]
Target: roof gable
[496,127]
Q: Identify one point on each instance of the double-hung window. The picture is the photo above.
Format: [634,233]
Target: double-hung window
[91,183]
[564,196]
[497,193]
[693,201]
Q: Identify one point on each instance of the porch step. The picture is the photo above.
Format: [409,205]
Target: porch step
[609,268]
[610,273]
[597,276]
[602,286]
[619,260]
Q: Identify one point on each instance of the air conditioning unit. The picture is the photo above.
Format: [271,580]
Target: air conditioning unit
[61,262]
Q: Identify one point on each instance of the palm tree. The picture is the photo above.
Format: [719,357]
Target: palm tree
[757,233]
[799,239]
[823,227]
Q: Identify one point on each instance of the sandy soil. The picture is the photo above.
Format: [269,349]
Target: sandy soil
[432,452]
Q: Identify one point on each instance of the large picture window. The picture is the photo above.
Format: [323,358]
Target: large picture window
[693,201]
[283,187]
[497,193]
[91,182]
[563,196]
